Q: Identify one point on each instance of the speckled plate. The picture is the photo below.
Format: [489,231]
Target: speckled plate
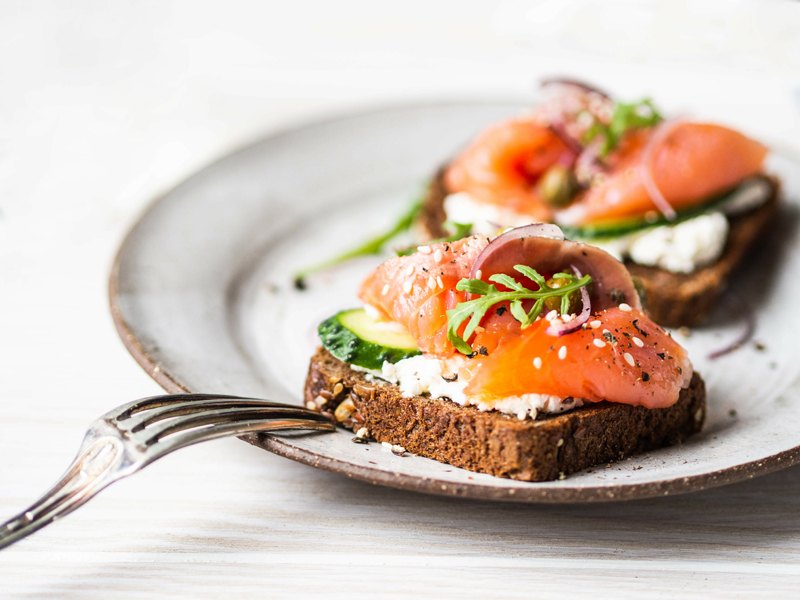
[201,294]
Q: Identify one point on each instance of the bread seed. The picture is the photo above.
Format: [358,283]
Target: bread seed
[344,411]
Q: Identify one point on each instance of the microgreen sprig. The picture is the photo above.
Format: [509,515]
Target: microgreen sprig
[625,117]
[473,311]
[374,245]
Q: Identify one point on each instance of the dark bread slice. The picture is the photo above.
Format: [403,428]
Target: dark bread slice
[671,299]
[491,442]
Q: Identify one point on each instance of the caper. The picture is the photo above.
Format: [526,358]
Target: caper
[554,302]
[557,185]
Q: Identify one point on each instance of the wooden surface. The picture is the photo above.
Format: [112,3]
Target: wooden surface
[103,106]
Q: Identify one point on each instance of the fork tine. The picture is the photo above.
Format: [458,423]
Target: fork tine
[127,410]
[147,417]
[195,436]
[228,415]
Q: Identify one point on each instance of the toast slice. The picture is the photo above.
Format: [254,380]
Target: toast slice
[671,299]
[550,447]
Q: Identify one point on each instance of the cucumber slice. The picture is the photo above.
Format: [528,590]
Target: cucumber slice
[618,227]
[355,337]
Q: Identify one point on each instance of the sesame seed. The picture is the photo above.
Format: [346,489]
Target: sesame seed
[439,281]
[537,362]
[606,331]
[437,255]
[386,445]
[638,342]
[385,290]
[599,343]
[629,359]
[562,352]
[431,283]
[362,433]
[567,318]
[407,286]
[478,274]
[424,249]
[594,324]
[551,315]
[410,270]
[625,307]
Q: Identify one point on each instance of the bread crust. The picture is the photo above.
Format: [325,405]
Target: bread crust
[671,299]
[547,448]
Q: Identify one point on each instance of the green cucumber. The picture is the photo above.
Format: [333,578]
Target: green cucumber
[355,337]
[619,227]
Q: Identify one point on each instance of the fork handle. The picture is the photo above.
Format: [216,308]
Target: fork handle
[97,465]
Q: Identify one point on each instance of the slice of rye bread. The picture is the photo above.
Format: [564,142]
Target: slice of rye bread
[547,448]
[671,299]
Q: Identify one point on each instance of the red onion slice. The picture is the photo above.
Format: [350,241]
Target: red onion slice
[745,336]
[578,321]
[588,164]
[560,131]
[581,85]
[646,169]
[542,247]
[534,230]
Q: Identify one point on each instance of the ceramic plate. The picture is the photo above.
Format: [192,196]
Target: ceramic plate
[201,293]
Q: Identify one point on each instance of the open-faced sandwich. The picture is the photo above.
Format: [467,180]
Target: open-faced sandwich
[679,201]
[524,356]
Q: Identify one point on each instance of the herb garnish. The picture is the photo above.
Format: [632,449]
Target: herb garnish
[372,246]
[475,309]
[624,118]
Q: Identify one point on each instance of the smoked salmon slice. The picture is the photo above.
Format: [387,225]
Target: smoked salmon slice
[619,355]
[689,163]
[503,163]
[652,166]
[417,290]
[623,357]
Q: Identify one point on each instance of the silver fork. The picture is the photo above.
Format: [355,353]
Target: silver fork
[130,437]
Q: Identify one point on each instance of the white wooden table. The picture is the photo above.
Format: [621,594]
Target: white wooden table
[103,105]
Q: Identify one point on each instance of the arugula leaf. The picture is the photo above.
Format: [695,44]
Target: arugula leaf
[625,117]
[472,311]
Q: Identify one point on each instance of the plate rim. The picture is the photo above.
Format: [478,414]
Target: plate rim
[522,492]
